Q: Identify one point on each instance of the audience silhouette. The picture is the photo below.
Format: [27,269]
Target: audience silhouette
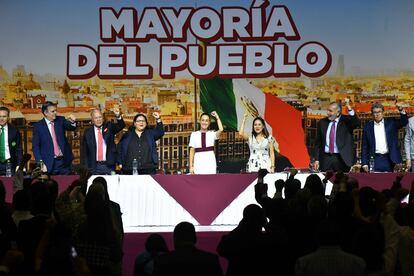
[296,231]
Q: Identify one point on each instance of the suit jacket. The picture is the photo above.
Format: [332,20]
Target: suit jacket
[344,138]
[152,136]
[391,126]
[187,261]
[15,145]
[89,147]
[42,143]
[409,139]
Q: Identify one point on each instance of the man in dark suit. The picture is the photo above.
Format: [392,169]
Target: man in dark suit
[10,143]
[187,259]
[380,139]
[334,145]
[98,149]
[49,141]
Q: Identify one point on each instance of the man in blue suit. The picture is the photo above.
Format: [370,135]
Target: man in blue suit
[380,139]
[10,143]
[98,149]
[49,141]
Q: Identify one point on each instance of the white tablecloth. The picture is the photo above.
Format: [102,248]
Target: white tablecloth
[144,202]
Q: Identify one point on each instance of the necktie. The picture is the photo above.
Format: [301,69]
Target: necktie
[56,149]
[2,145]
[332,138]
[100,145]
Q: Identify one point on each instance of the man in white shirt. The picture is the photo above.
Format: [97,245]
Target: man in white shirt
[10,143]
[380,139]
[98,149]
[334,144]
[49,142]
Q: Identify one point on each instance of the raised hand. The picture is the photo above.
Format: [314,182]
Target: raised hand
[116,111]
[214,114]
[156,115]
[347,101]
[72,118]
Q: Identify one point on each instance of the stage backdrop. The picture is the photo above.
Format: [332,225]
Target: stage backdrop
[282,60]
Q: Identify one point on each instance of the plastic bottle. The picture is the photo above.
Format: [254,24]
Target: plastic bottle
[41,165]
[135,167]
[8,169]
[371,164]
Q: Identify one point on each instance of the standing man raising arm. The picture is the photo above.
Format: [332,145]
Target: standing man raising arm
[334,145]
[380,139]
[98,149]
[49,142]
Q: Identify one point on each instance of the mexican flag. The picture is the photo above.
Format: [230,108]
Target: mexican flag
[232,98]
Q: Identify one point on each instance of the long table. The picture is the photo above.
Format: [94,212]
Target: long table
[165,200]
[212,200]
[209,200]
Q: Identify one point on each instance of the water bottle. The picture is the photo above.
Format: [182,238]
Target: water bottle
[311,165]
[135,167]
[371,164]
[41,165]
[8,169]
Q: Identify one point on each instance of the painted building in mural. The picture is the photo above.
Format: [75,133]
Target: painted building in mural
[24,93]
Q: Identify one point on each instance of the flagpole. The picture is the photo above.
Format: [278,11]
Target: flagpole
[195,90]
[195,104]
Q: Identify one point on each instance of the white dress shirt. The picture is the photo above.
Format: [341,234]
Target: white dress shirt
[103,144]
[327,135]
[350,113]
[49,126]
[381,146]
